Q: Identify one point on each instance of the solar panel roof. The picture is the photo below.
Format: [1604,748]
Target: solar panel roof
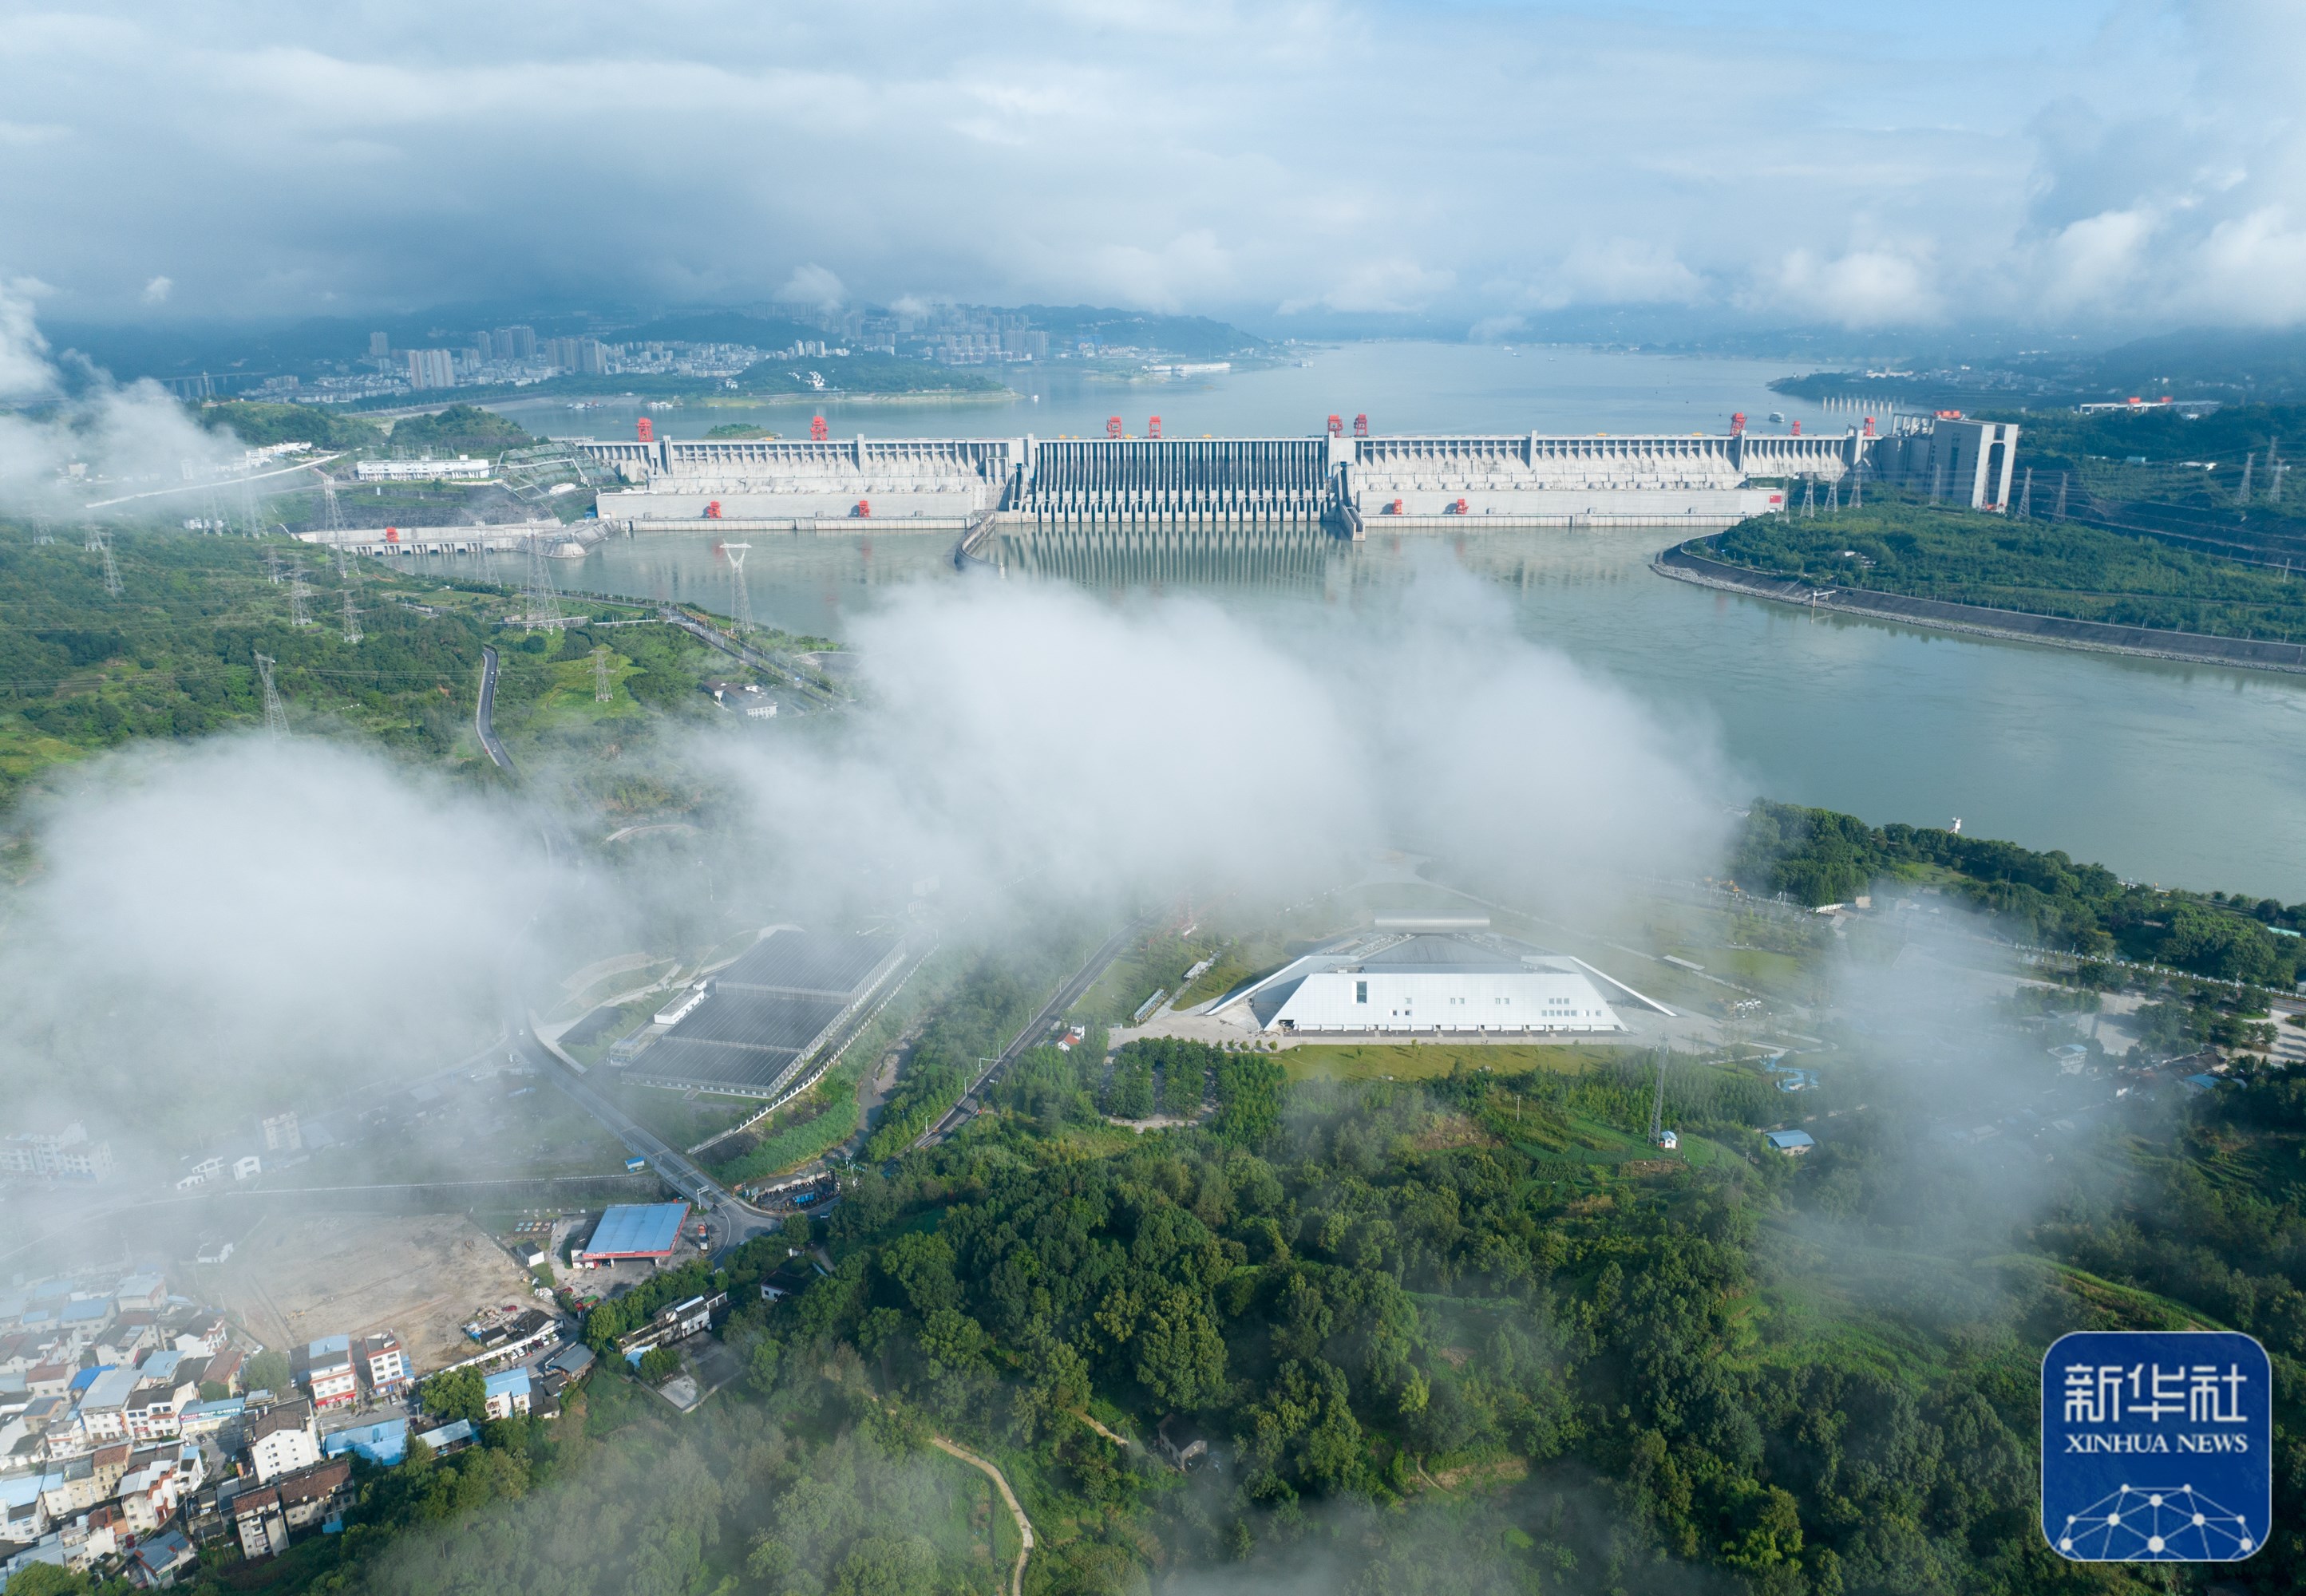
[748,1018]
[634,1229]
[714,1066]
[810,961]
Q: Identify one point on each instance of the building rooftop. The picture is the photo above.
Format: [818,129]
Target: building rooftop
[448,1435]
[386,1442]
[110,1389]
[286,1416]
[1788,1140]
[638,1230]
[507,1382]
[330,1349]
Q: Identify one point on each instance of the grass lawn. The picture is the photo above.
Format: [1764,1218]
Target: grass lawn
[1394,1061]
[682,1121]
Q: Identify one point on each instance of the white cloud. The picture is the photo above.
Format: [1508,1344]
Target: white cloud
[123,439]
[25,373]
[1618,271]
[814,288]
[1344,157]
[1867,288]
[156,291]
[1387,285]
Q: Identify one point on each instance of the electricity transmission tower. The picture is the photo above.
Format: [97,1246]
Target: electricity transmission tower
[352,615]
[297,593]
[100,542]
[1937,482]
[1657,1106]
[276,713]
[1809,498]
[332,521]
[544,602]
[272,565]
[601,673]
[2061,512]
[2026,497]
[1857,485]
[42,535]
[737,552]
[1833,497]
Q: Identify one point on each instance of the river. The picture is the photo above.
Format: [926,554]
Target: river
[2180,774]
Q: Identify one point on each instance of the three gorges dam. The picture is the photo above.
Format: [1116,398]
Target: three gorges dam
[1334,482]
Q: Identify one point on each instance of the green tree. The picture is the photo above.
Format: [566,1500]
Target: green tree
[658,1365]
[455,1393]
[267,1371]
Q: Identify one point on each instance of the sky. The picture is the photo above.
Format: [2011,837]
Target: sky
[2131,163]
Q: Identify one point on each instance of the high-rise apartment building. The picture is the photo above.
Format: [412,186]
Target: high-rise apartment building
[432,368]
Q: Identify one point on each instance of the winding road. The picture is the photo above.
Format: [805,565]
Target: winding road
[484,716]
[1016,1509]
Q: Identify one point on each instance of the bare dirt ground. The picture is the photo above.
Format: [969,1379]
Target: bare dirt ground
[296,1279]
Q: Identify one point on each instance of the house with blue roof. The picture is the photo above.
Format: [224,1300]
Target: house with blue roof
[452,1437]
[1791,1143]
[385,1443]
[506,1393]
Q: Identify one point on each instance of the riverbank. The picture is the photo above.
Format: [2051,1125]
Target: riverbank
[1682,565]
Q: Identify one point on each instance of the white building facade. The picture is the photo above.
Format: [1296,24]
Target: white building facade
[1407,983]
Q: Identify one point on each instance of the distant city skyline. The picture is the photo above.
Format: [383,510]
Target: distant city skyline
[2087,163]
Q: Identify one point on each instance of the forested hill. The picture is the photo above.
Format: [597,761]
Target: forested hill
[2037,566]
[1817,857]
[1469,1338]
[172,654]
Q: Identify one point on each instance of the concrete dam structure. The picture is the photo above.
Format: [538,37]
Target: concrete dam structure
[1345,485]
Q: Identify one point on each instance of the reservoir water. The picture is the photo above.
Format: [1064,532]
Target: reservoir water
[2175,773]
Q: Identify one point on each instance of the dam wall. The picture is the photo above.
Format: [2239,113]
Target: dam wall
[1345,485]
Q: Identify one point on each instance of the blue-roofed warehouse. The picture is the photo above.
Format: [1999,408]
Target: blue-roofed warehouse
[635,1230]
[1790,1142]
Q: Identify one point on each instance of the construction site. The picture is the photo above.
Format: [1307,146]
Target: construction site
[295,1277]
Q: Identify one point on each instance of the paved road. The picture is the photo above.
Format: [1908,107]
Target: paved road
[722,1208]
[485,717]
[1038,1028]
[751,657]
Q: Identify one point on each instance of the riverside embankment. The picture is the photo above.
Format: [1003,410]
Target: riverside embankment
[1684,565]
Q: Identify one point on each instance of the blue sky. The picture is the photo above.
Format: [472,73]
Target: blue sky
[2123,164]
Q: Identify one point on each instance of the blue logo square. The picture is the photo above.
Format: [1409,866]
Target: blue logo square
[2157,1447]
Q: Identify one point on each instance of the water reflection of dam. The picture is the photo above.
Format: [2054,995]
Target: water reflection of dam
[1137,554]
